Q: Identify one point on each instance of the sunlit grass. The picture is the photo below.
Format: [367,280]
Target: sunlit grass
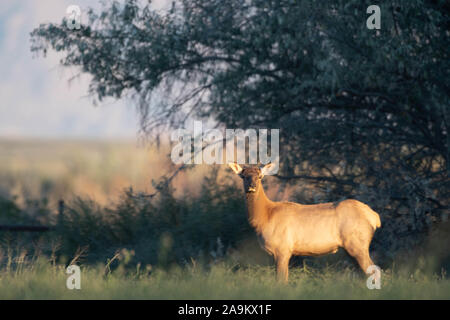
[42,280]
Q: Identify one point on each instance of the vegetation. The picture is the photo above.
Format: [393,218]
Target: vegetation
[39,279]
[363,113]
[141,247]
[54,169]
[164,229]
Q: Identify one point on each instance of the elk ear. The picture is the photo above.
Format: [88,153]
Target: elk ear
[266,169]
[235,167]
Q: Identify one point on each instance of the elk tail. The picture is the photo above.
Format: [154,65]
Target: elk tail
[372,216]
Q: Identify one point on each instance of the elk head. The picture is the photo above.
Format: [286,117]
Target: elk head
[251,176]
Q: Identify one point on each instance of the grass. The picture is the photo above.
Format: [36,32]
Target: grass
[42,280]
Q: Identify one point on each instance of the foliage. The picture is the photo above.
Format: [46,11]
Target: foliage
[363,113]
[161,231]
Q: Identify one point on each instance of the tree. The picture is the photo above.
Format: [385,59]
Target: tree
[362,113]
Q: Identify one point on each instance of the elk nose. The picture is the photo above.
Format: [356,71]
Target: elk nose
[251,189]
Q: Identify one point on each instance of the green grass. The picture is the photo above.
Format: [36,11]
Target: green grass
[41,280]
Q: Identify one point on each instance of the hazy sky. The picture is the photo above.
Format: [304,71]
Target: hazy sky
[36,99]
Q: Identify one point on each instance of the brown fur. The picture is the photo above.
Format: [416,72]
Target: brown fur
[288,228]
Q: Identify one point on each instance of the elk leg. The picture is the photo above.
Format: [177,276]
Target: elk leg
[364,261]
[283,267]
[361,256]
[358,247]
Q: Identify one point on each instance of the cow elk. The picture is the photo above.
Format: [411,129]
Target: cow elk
[288,228]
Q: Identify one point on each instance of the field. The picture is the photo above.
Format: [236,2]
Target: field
[42,281]
[99,169]
[200,245]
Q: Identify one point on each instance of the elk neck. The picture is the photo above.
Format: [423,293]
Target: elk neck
[258,208]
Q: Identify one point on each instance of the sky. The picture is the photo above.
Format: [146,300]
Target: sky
[36,99]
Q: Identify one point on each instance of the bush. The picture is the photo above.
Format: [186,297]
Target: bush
[162,230]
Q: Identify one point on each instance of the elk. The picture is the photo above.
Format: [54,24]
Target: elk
[286,228]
